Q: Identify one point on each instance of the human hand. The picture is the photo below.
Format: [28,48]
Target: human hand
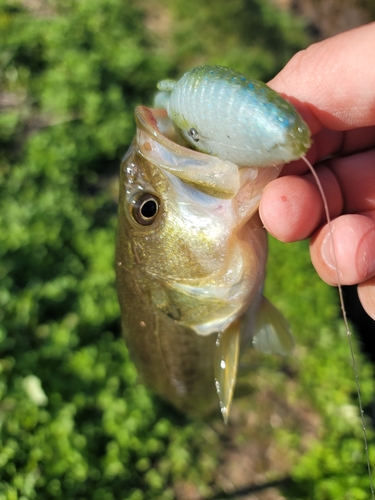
[332,84]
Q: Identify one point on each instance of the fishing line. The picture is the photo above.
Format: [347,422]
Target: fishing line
[348,332]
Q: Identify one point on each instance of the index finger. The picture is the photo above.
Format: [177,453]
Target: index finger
[331,83]
[332,142]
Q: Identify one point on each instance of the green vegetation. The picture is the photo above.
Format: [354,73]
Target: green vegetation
[252,36]
[75,423]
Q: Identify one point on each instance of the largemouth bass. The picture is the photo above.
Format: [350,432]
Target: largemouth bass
[191,250]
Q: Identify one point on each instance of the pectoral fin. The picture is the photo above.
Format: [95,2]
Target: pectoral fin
[272,330]
[226,365]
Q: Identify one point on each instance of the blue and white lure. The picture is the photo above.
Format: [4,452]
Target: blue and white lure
[220,112]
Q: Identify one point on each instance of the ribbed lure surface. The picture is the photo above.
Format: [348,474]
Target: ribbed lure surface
[220,112]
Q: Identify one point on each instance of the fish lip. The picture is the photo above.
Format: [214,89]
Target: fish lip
[147,119]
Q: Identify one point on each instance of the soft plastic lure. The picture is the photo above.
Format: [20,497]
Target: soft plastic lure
[220,112]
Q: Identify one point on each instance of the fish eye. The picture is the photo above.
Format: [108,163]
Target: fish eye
[145,209]
[193,133]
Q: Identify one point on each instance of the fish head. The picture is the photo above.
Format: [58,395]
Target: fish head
[168,192]
[179,221]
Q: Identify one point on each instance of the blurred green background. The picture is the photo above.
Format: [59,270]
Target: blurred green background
[75,421]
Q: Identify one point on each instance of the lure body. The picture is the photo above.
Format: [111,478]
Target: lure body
[191,255]
[220,112]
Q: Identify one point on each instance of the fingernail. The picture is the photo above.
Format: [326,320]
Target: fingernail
[366,264]
[328,252]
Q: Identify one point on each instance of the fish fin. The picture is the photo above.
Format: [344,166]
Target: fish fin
[226,365]
[272,330]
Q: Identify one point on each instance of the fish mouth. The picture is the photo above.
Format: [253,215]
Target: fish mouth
[155,122]
[159,144]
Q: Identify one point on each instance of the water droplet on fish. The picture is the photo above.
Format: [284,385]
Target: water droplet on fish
[224,412]
[131,172]
[223,364]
